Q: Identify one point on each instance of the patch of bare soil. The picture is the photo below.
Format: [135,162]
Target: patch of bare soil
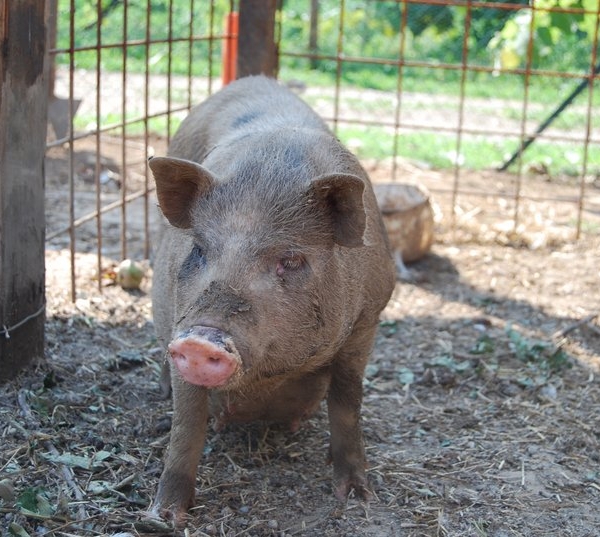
[481,406]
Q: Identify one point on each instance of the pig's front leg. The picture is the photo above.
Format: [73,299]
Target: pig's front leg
[176,488]
[344,403]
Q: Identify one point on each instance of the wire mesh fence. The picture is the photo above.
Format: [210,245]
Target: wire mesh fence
[491,106]
[123,76]
[494,100]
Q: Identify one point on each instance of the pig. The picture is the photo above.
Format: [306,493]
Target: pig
[270,273]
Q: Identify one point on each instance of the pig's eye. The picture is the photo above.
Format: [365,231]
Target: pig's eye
[290,262]
[197,255]
[193,262]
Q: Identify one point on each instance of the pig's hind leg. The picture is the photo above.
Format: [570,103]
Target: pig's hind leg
[344,402]
[165,380]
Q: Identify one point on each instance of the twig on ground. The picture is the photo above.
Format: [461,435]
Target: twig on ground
[572,327]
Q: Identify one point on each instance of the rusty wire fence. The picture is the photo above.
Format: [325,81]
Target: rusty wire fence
[117,91]
[506,139]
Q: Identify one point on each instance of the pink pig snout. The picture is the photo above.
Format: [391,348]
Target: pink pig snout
[205,356]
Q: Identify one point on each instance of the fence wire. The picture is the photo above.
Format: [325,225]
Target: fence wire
[472,126]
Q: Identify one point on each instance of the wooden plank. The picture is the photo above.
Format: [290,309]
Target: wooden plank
[23,108]
[257,53]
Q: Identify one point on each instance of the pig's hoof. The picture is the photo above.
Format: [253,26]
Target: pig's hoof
[356,485]
[176,515]
[175,496]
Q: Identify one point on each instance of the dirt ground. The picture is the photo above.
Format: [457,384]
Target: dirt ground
[481,404]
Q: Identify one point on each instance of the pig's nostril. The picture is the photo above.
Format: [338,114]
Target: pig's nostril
[201,358]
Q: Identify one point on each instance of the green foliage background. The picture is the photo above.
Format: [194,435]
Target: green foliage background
[435,34]
[497,40]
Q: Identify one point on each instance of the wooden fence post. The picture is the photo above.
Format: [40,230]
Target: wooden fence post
[23,109]
[257,53]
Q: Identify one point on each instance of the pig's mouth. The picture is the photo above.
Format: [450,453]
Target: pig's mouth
[206,356]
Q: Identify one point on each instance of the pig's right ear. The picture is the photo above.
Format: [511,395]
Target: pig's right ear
[179,183]
[341,197]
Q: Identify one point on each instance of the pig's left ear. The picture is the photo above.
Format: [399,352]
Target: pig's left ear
[179,183]
[341,195]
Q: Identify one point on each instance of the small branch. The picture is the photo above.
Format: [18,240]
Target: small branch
[66,472]
[572,327]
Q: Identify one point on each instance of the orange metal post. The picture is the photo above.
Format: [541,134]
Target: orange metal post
[230,48]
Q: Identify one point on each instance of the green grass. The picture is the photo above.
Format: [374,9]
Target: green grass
[592,228]
[434,149]
[156,125]
[476,153]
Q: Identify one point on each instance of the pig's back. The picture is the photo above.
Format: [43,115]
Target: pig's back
[248,105]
